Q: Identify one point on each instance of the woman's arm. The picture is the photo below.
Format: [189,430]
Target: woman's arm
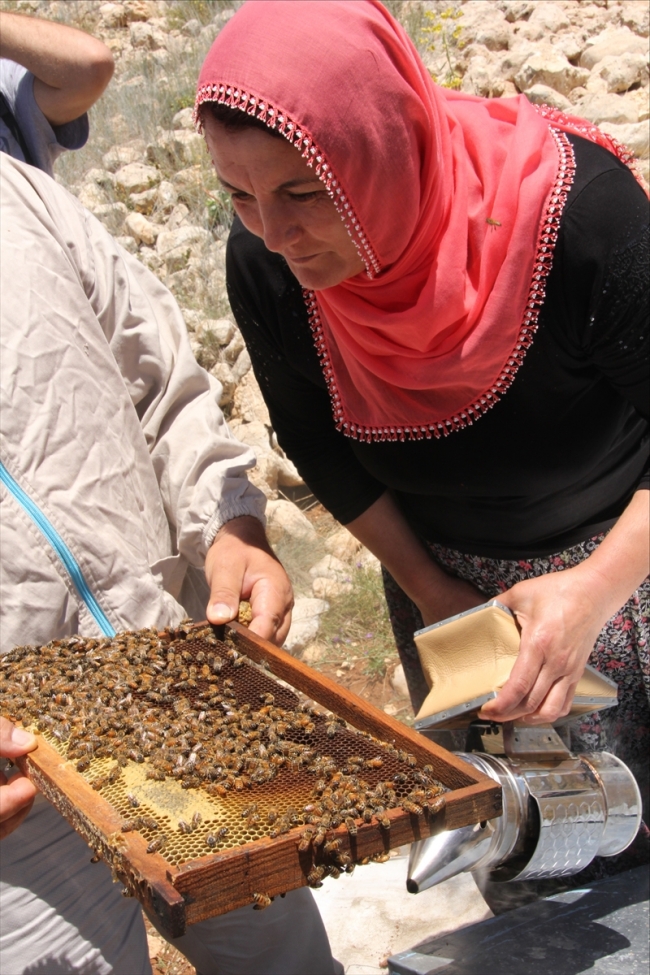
[383,529]
[561,615]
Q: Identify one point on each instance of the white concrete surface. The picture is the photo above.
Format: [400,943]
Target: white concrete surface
[369,915]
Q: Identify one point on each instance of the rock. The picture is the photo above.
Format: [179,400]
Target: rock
[112,215]
[390,709]
[128,244]
[141,229]
[612,42]
[485,25]
[111,16]
[636,16]
[550,68]
[604,107]
[329,567]
[516,9]
[367,561]
[191,28]
[398,682]
[241,365]
[219,330]
[136,178]
[222,372]
[329,588]
[618,74]
[283,517]
[570,45]
[167,197]
[143,35]
[93,196]
[178,148]
[178,217]
[119,156]
[636,138]
[139,9]
[305,621]
[183,119]
[234,347]
[101,177]
[313,654]
[144,202]
[175,246]
[550,17]
[287,473]
[343,545]
[483,78]
[543,95]
[188,183]
[254,434]
[150,259]
[249,402]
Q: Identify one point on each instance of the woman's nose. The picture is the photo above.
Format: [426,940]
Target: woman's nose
[279,230]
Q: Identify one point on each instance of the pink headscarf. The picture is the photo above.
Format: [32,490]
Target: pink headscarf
[453,201]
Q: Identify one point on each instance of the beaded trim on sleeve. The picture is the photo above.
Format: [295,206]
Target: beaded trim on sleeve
[298,137]
[537,292]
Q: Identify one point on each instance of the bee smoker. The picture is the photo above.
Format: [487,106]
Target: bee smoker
[560,810]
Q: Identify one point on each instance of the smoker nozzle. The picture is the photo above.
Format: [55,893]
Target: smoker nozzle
[557,816]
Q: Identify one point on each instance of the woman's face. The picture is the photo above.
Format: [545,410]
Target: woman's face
[280,199]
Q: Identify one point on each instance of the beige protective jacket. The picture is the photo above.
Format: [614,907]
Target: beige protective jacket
[117,466]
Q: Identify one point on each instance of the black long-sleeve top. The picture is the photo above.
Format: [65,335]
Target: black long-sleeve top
[558,457]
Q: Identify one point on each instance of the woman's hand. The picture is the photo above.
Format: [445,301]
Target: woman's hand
[17,793]
[560,623]
[241,565]
[561,615]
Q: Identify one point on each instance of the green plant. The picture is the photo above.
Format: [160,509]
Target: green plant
[357,624]
[441,27]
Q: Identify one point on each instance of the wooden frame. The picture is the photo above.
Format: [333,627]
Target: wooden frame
[225,880]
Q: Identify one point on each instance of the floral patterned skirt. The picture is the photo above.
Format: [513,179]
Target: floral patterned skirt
[621,651]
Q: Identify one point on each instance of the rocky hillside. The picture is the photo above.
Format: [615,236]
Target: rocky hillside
[145,174]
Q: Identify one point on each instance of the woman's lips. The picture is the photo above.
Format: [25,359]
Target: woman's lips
[302,260]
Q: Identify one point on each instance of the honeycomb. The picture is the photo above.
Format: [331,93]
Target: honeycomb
[192,821]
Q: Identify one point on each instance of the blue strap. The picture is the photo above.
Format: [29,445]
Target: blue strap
[65,555]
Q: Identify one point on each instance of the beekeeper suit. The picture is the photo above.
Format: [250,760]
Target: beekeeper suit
[118,473]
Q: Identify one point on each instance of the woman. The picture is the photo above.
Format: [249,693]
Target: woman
[442,297]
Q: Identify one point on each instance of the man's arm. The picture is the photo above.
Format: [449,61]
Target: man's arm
[71,69]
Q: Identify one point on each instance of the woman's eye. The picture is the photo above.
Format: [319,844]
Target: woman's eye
[305,197]
[241,196]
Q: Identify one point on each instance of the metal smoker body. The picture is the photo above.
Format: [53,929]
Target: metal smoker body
[560,810]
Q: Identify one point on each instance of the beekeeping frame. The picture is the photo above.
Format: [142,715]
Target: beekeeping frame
[182,893]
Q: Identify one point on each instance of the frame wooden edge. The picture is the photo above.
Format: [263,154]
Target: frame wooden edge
[145,875]
[357,712]
[274,867]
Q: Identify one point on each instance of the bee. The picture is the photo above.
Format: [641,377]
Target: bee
[99,783]
[281,826]
[412,807]
[331,846]
[400,778]
[305,840]
[197,819]
[157,774]
[83,764]
[146,822]
[315,877]
[114,774]
[253,819]
[331,728]
[345,860]
[267,698]
[128,826]
[249,810]
[260,901]
[240,661]
[184,827]
[156,845]
[211,840]
[351,825]
[434,805]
